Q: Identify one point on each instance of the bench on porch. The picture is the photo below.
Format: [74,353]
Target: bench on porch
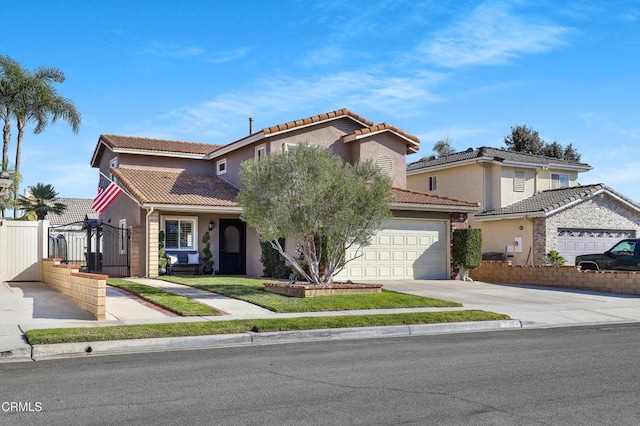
[183,261]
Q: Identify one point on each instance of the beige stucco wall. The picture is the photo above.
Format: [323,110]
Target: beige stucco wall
[507,194]
[383,145]
[463,182]
[497,235]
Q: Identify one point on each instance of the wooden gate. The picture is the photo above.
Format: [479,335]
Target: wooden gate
[22,247]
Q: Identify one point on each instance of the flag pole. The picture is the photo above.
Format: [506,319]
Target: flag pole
[121,188]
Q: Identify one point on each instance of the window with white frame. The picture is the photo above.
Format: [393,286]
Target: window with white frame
[180,233]
[113,163]
[122,236]
[518,181]
[221,166]
[261,151]
[433,183]
[289,147]
[559,180]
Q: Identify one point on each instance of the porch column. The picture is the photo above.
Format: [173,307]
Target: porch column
[152,242]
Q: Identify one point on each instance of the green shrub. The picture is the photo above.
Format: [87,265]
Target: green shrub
[467,247]
[274,264]
[206,240]
[554,258]
[162,260]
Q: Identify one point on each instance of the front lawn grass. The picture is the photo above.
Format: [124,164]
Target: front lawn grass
[172,302]
[252,290]
[124,332]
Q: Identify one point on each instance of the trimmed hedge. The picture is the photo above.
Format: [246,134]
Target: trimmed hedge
[467,247]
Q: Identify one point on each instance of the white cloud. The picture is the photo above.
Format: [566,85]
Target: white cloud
[226,56]
[172,51]
[179,52]
[492,35]
[223,115]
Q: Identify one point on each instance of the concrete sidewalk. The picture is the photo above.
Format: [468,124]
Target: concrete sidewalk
[26,306]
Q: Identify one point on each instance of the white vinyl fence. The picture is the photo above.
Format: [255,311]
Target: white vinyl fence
[23,244]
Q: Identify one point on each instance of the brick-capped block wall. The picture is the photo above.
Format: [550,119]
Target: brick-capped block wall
[89,291]
[627,282]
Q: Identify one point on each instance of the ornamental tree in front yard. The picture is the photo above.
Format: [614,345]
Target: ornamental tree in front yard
[318,202]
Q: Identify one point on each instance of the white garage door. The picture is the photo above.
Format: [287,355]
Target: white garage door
[402,249]
[573,242]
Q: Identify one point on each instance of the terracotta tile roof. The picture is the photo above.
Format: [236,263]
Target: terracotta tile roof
[495,154]
[407,196]
[170,187]
[548,202]
[148,144]
[315,119]
[77,209]
[385,126]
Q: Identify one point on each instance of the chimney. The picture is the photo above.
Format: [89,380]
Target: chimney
[250,125]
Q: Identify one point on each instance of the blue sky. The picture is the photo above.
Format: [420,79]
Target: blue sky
[196,70]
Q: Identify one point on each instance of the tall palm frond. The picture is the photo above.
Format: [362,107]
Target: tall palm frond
[42,200]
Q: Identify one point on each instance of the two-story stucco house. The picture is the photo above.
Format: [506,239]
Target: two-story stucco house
[187,189]
[531,204]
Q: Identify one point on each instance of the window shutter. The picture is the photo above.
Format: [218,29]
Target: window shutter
[518,181]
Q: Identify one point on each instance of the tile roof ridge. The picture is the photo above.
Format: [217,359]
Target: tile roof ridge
[110,135]
[342,112]
[385,126]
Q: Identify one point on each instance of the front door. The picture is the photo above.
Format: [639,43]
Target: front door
[233,243]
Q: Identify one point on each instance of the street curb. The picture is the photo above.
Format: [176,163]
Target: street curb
[17,354]
[66,350]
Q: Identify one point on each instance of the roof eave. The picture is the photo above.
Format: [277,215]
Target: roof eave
[155,153]
[510,216]
[192,208]
[248,140]
[434,207]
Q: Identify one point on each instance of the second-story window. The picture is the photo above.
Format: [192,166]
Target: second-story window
[113,163]
[433,183]
[518,181]
[559,180]
[261,151]
[289,147]
[221,166]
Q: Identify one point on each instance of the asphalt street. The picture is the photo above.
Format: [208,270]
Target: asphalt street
[558,376]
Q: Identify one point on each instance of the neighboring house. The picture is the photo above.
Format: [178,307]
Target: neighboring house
[67,231]
[531,204]
[186,189]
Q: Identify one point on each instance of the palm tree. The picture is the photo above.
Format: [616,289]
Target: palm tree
[30,97]
[41,201]
[7,199]
[10,74]
[39,102]
[443,147]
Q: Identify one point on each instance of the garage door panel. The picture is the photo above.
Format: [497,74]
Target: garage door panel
[574,242]
[403,249]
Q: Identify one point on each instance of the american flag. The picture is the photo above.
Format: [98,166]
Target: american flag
[107,192]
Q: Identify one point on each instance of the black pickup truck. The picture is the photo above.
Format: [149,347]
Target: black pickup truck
[624,256]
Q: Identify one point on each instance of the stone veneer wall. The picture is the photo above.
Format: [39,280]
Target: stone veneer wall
[89,291]
[627,282]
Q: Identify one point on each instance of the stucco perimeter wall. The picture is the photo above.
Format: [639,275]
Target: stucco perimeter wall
[626,282]
[89,291]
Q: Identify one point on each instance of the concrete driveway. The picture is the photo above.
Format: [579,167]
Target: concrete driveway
[533,305]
